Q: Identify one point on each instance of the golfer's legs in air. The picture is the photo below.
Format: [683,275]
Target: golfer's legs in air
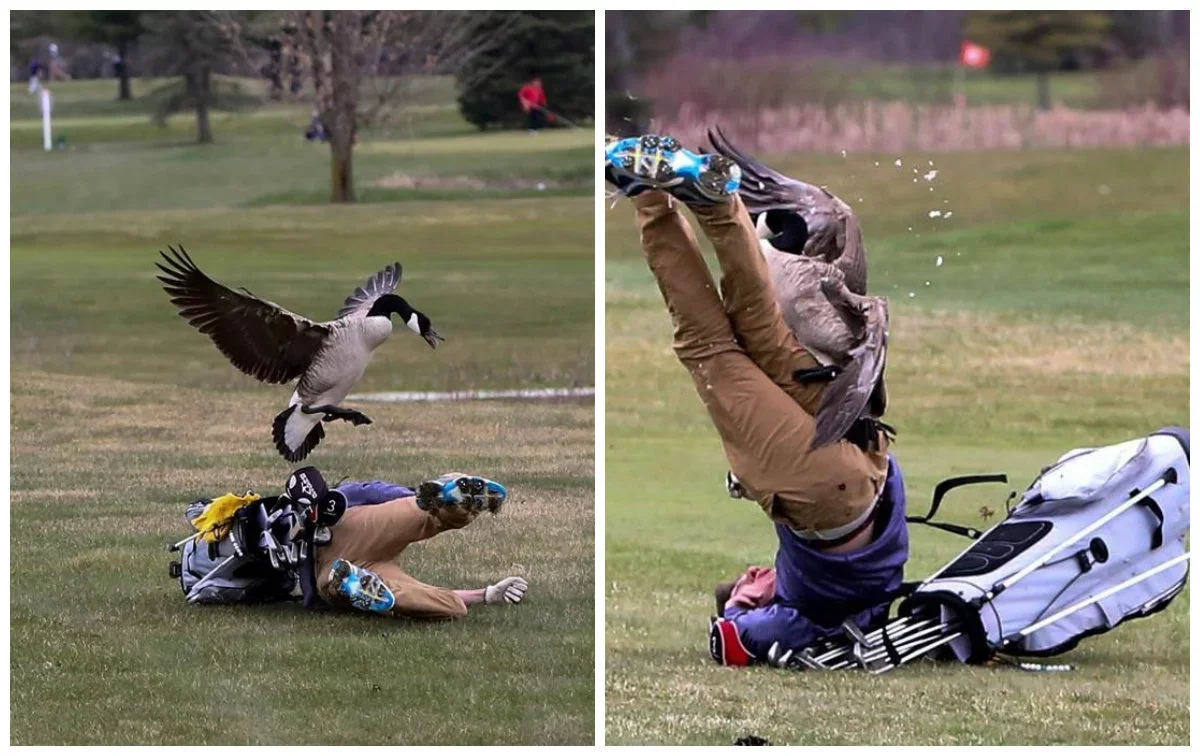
[750,301]
[762,428]
[701,327]
[765,430]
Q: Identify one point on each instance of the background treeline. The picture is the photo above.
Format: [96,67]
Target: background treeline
[659,63]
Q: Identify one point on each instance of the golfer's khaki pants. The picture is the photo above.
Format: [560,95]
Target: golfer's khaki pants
[742,358]
[374,536]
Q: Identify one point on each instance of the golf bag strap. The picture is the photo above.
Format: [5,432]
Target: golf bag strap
[1156,538]
[962,530]
[939,493]
[1182,435]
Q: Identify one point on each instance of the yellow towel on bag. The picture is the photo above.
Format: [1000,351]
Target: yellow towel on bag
[214,522]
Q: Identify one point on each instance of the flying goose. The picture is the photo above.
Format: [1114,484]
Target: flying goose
[813,247]
[274,345]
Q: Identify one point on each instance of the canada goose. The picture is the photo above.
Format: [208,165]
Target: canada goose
[830,228]
[813,247]
[274,345]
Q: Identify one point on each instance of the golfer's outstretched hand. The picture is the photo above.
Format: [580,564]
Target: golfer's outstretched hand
[510,590]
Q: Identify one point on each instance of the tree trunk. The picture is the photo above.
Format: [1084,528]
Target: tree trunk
[1043,90]
[123,90]
[198,92]
[341,153]
[343,111]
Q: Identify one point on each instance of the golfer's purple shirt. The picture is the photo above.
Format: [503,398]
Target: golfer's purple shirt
[373,492]
[816,590]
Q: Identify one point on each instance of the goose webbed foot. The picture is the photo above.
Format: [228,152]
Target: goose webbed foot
[354,416]
[339,413]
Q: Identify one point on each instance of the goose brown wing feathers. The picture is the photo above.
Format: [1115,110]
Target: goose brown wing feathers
[259,337]
[846,398]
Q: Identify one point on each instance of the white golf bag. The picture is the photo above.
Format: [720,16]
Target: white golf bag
[1097,539]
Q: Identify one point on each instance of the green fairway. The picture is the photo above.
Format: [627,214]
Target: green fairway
[122,414]
[117,159]
[1057,319]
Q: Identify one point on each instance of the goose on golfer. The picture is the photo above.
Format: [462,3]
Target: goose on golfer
[813,246]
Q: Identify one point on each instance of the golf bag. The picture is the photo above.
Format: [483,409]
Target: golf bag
[253,554]
[1097,539]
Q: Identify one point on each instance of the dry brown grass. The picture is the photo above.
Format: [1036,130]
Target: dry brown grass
[102,469]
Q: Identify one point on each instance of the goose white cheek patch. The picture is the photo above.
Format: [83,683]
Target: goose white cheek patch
[413,325]
[760,226]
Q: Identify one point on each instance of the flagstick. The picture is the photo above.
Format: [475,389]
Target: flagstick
[46,119]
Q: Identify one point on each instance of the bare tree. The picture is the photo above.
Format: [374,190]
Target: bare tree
[360,64]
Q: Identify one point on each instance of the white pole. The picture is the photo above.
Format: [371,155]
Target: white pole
[46,120]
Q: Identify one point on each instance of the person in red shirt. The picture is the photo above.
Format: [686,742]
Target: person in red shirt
[533,103]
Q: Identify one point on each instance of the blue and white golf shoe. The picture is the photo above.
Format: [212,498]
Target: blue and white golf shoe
[457,490]
[365,590]
[659,162]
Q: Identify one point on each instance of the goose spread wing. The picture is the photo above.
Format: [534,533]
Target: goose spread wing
[833,231]
[847,396]
[383,282]
[259,337]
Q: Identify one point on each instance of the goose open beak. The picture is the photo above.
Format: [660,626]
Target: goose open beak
[432,338]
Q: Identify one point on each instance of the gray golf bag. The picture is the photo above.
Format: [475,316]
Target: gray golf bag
[1097,539]
[268,540]
[243,567]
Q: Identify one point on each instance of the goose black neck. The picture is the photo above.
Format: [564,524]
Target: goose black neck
[390,304]
[789,229]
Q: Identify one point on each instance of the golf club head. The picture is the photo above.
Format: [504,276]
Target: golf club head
[805,657]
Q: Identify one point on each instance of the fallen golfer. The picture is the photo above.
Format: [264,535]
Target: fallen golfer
[336,547]
[788,359]
[838,503]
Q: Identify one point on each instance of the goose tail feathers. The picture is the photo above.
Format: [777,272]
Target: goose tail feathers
[296,434]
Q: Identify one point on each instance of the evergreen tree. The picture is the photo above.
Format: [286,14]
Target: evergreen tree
[558,46]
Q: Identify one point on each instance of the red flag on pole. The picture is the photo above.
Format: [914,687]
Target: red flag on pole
[974,56]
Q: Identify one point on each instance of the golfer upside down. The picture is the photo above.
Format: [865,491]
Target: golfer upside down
[838,508]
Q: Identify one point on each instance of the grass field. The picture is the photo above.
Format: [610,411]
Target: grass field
[1059,319]
[121,414]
